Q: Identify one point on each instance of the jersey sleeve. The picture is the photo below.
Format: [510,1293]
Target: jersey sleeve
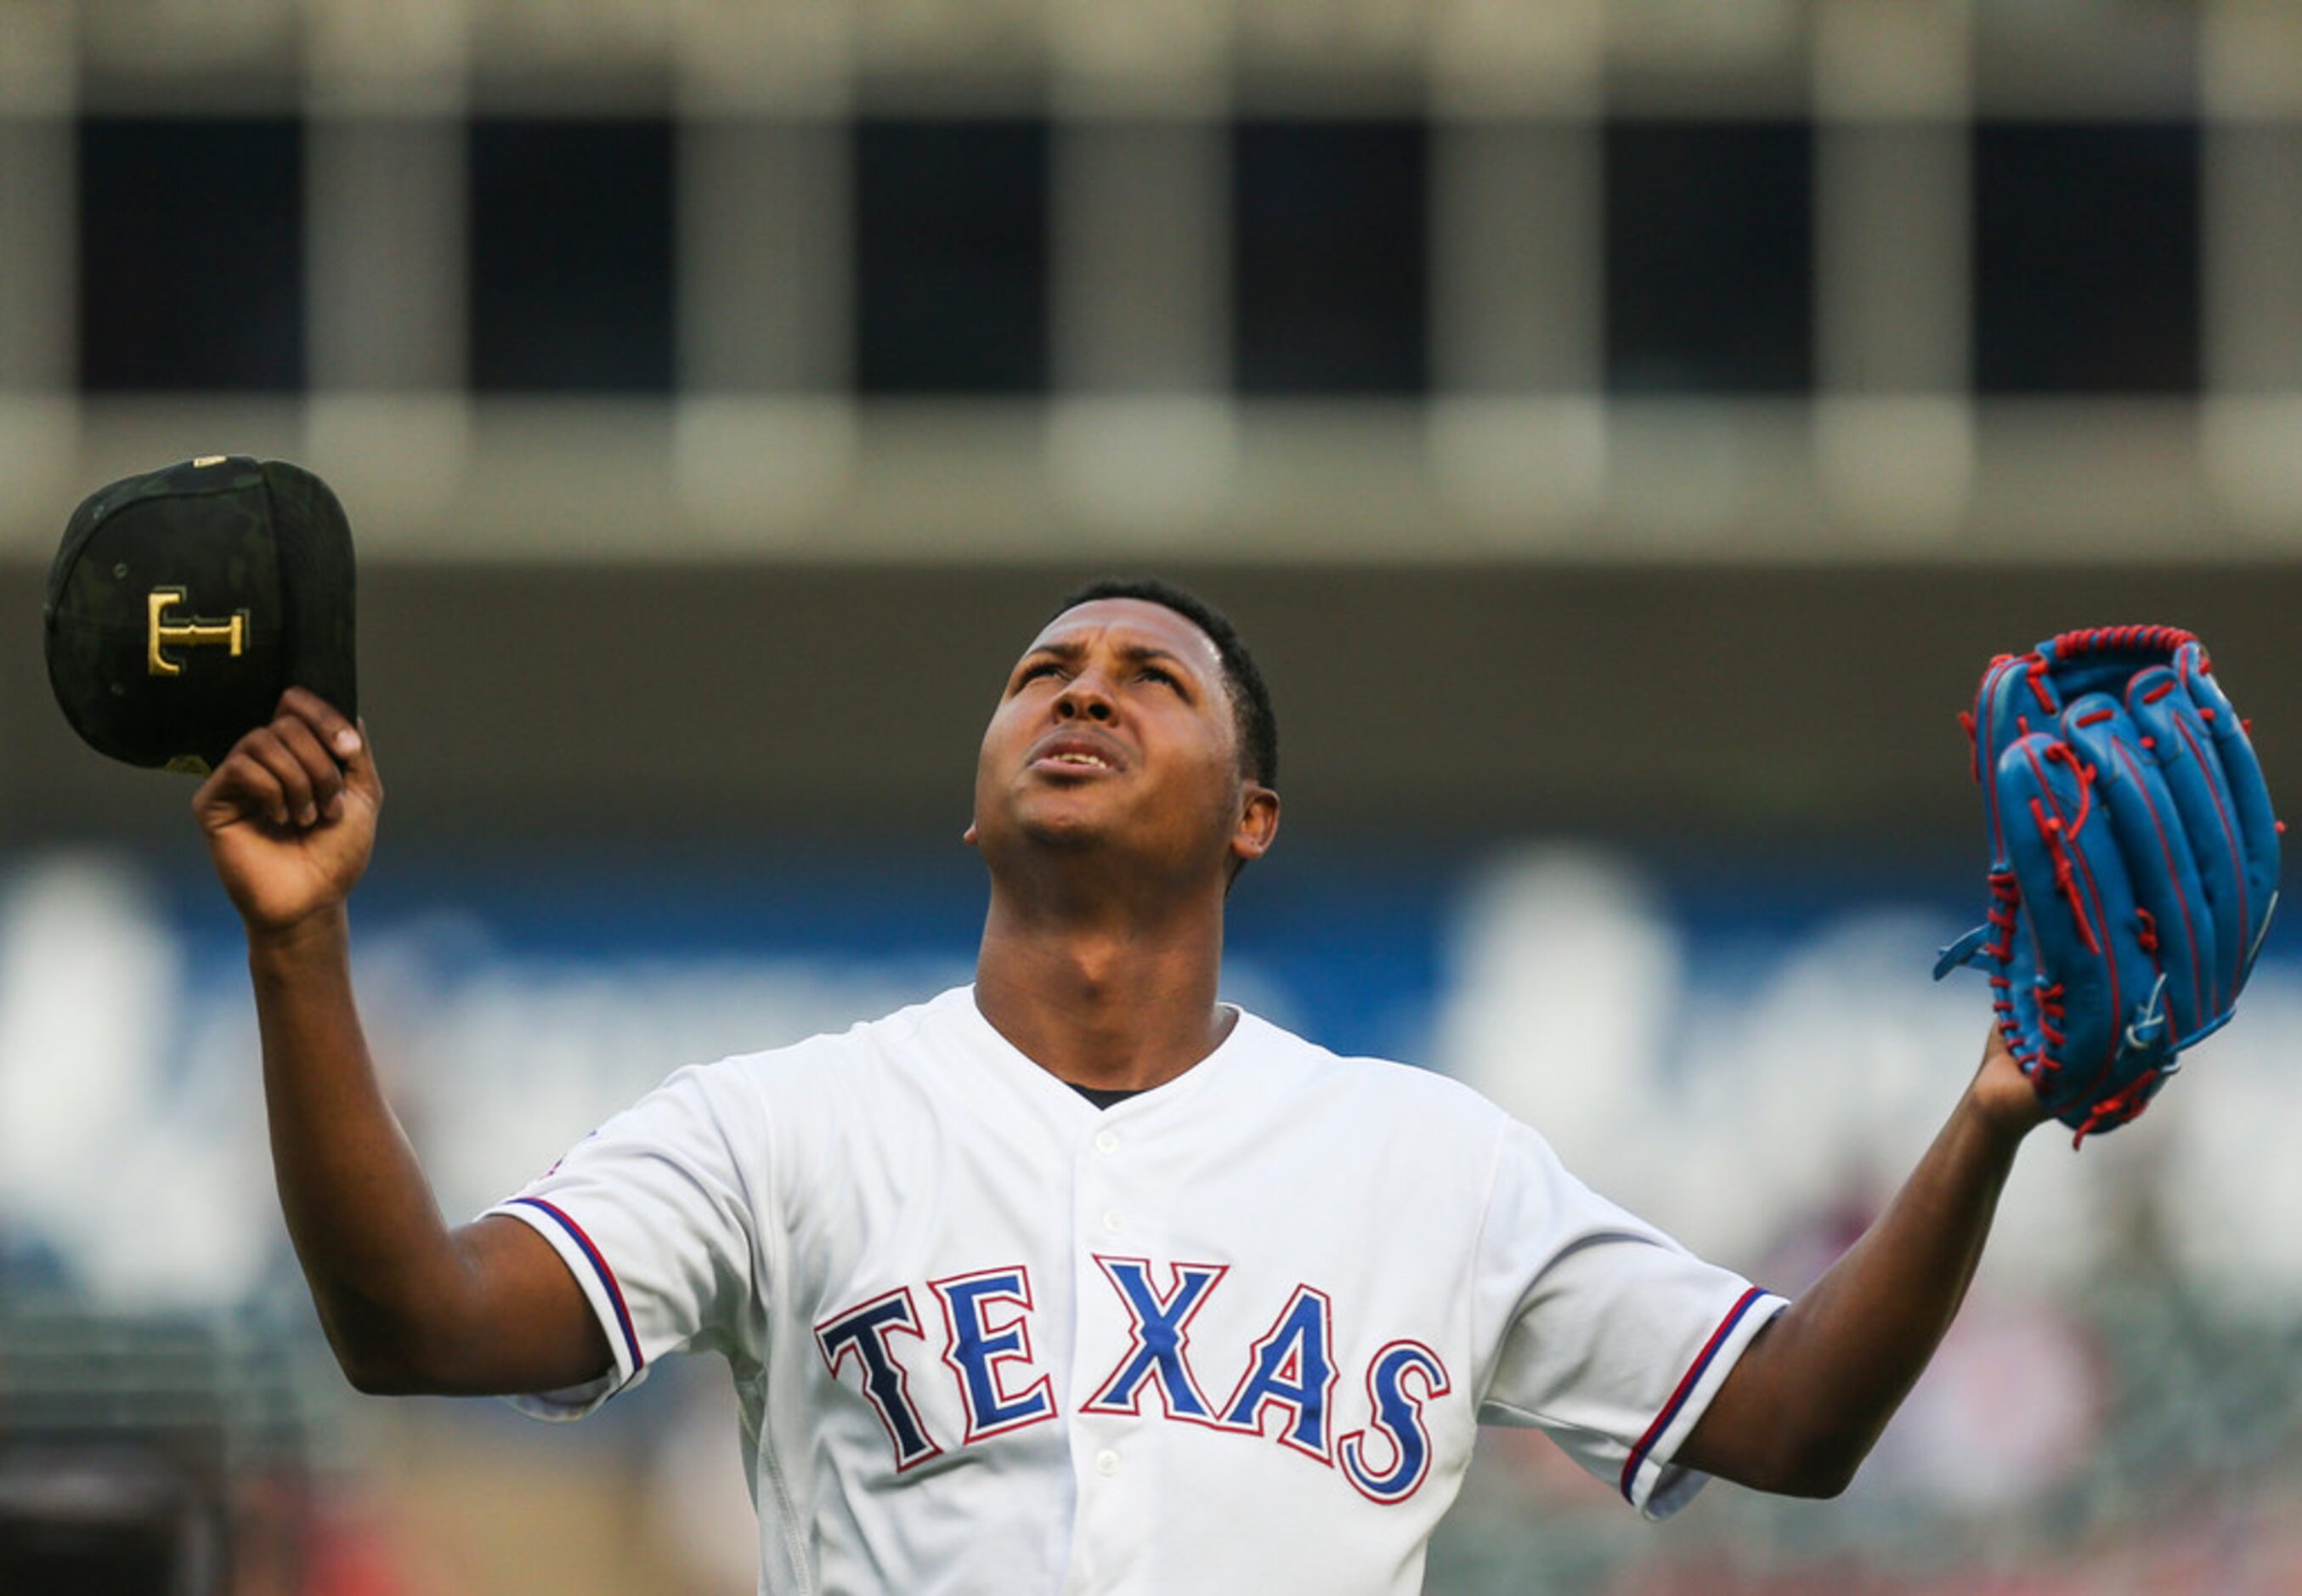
[654,1214]
[1614,1338]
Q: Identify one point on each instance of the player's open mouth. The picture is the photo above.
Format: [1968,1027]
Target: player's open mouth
[1074,755]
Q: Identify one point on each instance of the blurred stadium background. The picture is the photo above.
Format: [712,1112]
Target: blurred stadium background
[1623,429]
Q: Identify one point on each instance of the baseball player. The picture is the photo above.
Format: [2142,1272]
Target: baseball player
[1077,1277]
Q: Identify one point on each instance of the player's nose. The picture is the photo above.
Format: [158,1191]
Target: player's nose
[1084,697]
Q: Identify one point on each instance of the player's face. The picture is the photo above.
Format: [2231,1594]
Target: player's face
[1115,731]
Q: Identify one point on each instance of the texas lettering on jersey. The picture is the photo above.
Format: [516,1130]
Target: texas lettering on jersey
[1285,1390]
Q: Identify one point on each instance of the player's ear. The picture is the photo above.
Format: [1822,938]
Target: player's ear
[1258,822]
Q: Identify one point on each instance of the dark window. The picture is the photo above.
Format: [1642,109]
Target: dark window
[1330,275]
[1710,256]
[192,254]
[950,256]
[2086,257]
[571,283]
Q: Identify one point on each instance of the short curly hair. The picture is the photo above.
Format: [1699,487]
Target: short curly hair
[1250,698]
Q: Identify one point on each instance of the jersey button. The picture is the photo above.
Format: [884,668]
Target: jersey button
[1110,1222]
[1106,1141]
[1106,1462]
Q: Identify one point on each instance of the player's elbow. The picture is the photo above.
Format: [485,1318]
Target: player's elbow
[1821,1480]
[376,1366]
[377,1358]
[379,1380]
[1788,1459]
[393,1371]
[1818,1466]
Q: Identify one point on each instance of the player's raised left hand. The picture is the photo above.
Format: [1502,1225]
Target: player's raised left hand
[291,814]
[2002,1093]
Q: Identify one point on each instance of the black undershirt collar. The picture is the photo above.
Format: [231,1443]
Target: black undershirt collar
[1104,1097]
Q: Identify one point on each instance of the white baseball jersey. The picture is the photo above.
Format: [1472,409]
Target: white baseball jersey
[1233,1334]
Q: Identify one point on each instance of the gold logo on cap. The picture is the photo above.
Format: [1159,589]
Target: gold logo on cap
[231,633]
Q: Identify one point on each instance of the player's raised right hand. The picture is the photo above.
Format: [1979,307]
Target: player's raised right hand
[291,814]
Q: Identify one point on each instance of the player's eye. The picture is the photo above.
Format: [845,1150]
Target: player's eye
[1032,672]
[1152,673]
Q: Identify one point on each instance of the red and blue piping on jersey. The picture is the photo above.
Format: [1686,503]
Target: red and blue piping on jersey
[600,1267]
[1694,1376]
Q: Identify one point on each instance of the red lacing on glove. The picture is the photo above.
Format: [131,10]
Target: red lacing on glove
[2125,1104]
[2148,935]
[2066,886]
[2003,949]
[1973,741]
[2050,1008]
[2003,1007]
[2086,774]
[2001,913]
[2096,640]
[2034,671]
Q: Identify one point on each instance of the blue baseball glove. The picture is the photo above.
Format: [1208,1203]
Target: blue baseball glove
[2133,862]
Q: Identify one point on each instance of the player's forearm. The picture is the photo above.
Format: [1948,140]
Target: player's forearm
[380,1261]
[1821,1383]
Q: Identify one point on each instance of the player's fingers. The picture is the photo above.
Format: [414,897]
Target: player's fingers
[358,752]
[345,740]
[266,747]
[240,788]
[320,768]
[333,728]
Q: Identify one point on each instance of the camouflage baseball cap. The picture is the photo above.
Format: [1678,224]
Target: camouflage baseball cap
[185,601]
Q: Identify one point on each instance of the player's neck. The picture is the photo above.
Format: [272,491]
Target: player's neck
[1121,1006]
